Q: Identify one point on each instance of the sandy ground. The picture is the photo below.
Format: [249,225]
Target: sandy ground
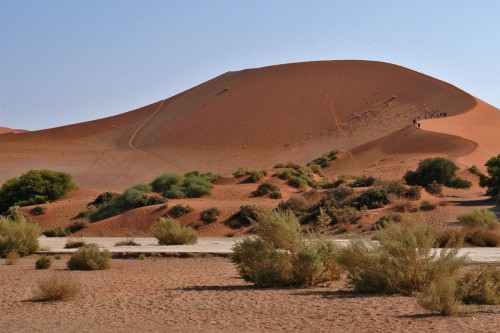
[215,245]
[207,295]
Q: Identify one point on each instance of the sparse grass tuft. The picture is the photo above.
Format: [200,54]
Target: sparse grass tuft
[12,257]
[18,235]
[427,205]
[127,242]
[179,210]
[74,243]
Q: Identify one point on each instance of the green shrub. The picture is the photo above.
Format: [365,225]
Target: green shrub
[190,185]
[403,262]
[280,257]
[492,181]
[341,192]
[275,195]
[18,235]
[480,218]
[434,188]
[375,197]
[298,182]
[77,225]
[38,210]
[343,215]
[264,189]
[56,231]
[103,198]
[474,170]
[170,232]
[248,214]
[210,215]
[133,197]
[34,187]
[363,181]
[43,262]
[179,210]
[241,172]
[285,174]
[57,288]
[155,200]
[89,258]
[256,175]
[437,169]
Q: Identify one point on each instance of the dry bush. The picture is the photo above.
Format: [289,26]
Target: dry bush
[74,243]
[440,297]
[127,242]
[12,257]
[56,231]
[43,262]
[402,204]
[480,286]
[57,288]
[403,262]
[169,232]
[480,218]
[482,237]
[210,215]
[19,235]
[179,210]
[427,205]
[89,258]
[279,256]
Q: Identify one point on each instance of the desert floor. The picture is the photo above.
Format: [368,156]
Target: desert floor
[207,295]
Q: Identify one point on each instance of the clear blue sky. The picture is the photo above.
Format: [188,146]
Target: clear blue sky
[64,62]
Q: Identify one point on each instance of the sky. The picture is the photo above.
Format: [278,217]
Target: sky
[63,62]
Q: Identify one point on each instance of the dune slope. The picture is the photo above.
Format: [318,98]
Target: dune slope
[256,118]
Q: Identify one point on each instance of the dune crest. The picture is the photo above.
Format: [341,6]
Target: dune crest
[259,117]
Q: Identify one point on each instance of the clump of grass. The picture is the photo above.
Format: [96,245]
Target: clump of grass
[241,172]
[210,215]
[57,288]
[74,243]
[89,257]
[480,218]
[179,210]
[480,286]
[18,235]
[403,262]
[43,262]
[435,188]
[127,242]
[363,181]
[12,257]
[280,257]
[275,195]
[440,297]
[169,232]
[374,197]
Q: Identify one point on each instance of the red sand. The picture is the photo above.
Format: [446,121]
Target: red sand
[262,116]
[207,295]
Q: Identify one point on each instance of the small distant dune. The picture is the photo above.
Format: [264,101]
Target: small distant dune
[4,130]
[259,117]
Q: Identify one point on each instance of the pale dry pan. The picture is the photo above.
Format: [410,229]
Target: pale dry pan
[207,295]
[214,245]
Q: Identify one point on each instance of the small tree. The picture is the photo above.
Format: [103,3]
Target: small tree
[493,180]
[437,169]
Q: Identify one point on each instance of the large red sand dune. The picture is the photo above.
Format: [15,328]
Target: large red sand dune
[259,117]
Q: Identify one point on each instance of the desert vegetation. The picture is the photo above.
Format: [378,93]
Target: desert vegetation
[190,185]
[279,255]
[439,170]
[492,181]
[19,235]
[169,231]
[34,187]
[88,258]
[210,215]
[179,210]
[57,288]
[44,262]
